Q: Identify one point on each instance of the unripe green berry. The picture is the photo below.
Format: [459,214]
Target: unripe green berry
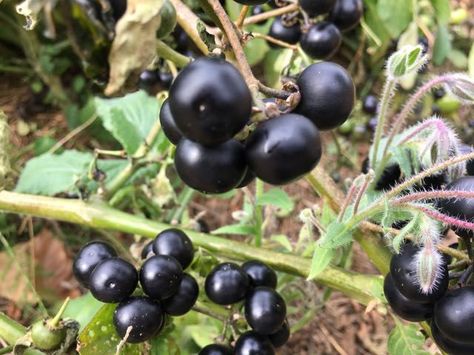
[46,337]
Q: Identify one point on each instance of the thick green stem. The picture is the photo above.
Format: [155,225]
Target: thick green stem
[362,288]
[168,53]
[10,331]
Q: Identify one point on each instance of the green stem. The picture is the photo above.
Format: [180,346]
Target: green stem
[259,189]
[54,322]
[381,118]
[184,197]
[362,288]
[10,331]
[168,53]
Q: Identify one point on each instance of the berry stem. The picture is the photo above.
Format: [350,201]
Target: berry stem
[269,14]
[381,119]
[168,53]
[274,40]
[243,14]
[53,323]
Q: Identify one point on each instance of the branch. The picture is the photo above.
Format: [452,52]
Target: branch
[272,13]
[362,288]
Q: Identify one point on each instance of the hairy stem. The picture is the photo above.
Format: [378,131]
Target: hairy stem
[435,194]
[362,288]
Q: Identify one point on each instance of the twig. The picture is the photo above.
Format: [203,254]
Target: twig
[269,14]
[275,41]
[242,16]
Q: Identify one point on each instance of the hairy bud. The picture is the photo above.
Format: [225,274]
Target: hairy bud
[428,267]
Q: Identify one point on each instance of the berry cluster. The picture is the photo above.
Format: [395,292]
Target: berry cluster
[319,40]
[209,103]
[265,310]
[168,290]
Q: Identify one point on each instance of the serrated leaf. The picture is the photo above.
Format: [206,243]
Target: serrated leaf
[134,45]
[406,339]
[62,172]
[321,259]
[129,118]
[235,229]
[100,337]
[442,45]
[277,198]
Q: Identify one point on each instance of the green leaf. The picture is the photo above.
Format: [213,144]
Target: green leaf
[337,234]
[51,174]
[322,257]
[327,215]
[283,240]
[442,45]
[396,15]
[405,61]
[275,62]
[164,345]
[406,339]
[458,58]
[130,118]
[409,38]
[375,23]
[99,336]
[277,198]
[442,9]
[203,334]
[235,229]
[82,309]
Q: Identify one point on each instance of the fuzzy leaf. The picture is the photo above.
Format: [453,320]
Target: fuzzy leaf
[134,45]
[406,339]
[322,257]
[129,118]
[277,198]
[400,237]
[409,37]
[405,61]
[462,87]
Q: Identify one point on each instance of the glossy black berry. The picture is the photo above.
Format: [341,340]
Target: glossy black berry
[210,101]
[160,276]
[317,7]
[449,346]
[346,14]
[403,269]
[265,310]
[216,349]
[454,315]
[87,259]
[391,175]
[168,124]
[321,41]
[402,306]
[283,149]
[113,280]
[327,94]
[281,336]
[252,343]
[370,104]
[213,170]
[227,284]
[461,208]
[279,30]
[184,299]
[249,177]
[144,315]
[176,243]
[260,274]
[147,250]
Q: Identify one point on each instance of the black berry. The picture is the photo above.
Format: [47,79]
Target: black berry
[184,299]
[210,101]
[370,104]
[321,41]
[168,124]
[449,346]
[251,2]
[260,274]
[175,243]
[317,7]
[279,30]
[265,310]
[144,315]
[216,349]
[466,149]
[215,169]
[113,280]
[346,14]
[283,149]
[160,276]
[227,284]
[403,271]
[327,94]
[281,336]
[252,343]
[87,259]
[147,250]
[402,306]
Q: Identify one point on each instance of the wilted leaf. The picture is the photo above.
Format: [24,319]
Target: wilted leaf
[134,45]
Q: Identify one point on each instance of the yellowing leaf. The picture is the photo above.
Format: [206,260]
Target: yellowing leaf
[134,45]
